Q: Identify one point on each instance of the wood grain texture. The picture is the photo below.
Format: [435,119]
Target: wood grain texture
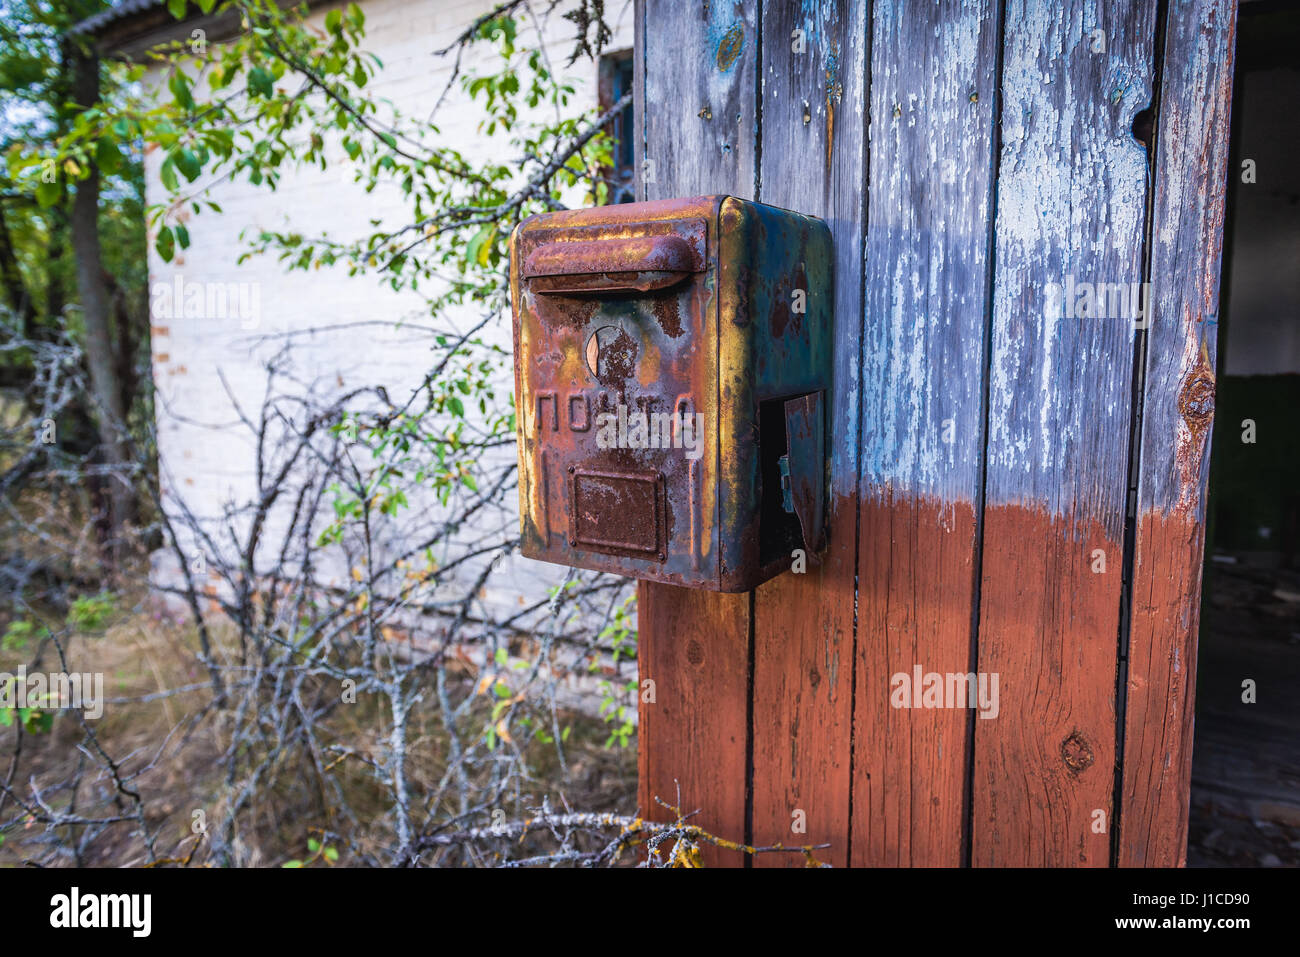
[696,66]
[692,739]
[910,764]
[980,433]
[700,61]
[1187,239]
[811,162]
[1070,208]
[933,84]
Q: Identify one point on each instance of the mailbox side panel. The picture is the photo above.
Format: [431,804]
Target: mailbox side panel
[776,304]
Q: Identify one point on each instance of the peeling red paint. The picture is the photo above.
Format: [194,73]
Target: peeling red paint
[1049,627]
[1161,690]
[915,592]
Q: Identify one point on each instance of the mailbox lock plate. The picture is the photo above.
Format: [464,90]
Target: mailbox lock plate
[617,511]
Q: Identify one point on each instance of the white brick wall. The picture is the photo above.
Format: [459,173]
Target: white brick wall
[206,458]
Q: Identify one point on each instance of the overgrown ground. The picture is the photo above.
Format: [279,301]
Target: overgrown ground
[158,720]
[1245,799]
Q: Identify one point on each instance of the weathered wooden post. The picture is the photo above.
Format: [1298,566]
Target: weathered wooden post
[1016,485]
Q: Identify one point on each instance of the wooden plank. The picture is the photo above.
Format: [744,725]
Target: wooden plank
[1070,209]
[813,86]
[699,62]
[1187,239]
[692,738]
[697,112]
[933,96]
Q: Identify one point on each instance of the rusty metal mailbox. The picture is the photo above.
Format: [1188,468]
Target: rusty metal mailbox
[671,366]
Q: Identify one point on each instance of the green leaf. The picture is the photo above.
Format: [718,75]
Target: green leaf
[107,156]
[313,845]
[179,84]
[474,252]
[331,855]
[17,635]
[47,194]
[292,864]
[168,175]
[91,612]
[261,82]
[176,8]
[183,236]
[485,250]
[187,163]
[165,244]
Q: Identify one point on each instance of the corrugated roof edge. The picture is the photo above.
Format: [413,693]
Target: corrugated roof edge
[106,18]
[133,27]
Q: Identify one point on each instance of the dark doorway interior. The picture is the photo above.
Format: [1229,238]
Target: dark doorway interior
[1245,802]
[615,80]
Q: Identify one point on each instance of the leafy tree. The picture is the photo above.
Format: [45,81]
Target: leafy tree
[280,96]
[71,233]
[284,94]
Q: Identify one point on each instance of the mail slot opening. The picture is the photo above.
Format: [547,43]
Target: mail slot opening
[779,530]
[600,284]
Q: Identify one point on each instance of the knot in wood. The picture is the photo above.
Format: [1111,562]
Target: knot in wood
[733,41]
[1196,400]
[1076,752]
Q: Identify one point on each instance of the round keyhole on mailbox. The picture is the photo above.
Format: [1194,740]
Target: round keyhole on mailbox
[611,354]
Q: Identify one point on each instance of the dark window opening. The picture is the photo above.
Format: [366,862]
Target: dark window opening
[615,81]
